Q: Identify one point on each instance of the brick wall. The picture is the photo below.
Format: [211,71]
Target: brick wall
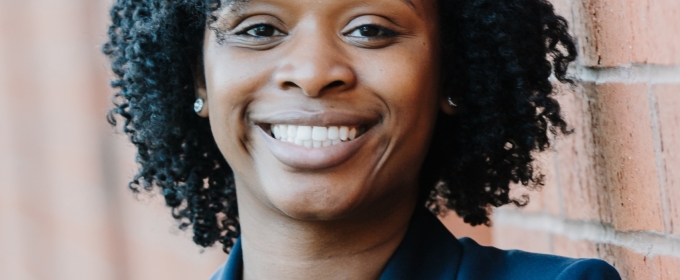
[613,186]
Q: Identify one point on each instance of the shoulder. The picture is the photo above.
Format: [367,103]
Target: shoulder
[481,262]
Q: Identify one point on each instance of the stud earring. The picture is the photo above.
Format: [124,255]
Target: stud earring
[451,103]
[198,105]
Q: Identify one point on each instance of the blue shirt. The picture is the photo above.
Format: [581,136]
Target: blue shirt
[430,251]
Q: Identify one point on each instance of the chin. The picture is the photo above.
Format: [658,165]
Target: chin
[316,201]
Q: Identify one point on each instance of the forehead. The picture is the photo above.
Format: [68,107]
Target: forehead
[229,2]
[241,6]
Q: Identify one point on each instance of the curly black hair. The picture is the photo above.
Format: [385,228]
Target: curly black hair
[498,56]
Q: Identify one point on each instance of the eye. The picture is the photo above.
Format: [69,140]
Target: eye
[371,31]
[261,30]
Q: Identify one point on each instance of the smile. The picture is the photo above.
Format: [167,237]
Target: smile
[316,140]
[301,153]
[315,136]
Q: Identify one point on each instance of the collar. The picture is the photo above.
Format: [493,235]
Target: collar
[428,251]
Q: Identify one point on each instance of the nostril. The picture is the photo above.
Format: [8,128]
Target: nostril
[310,89]
[288,85]
[336,84]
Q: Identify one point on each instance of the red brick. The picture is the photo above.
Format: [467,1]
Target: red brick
[613,33]
[655,26]
[564,246]
[666,268]
[668,102]
[549,193]
[520,192]
[536,203]
[631,265]
[603,33]
[580,165]
[542,199]
[624,134]
[456,225]
[509,237]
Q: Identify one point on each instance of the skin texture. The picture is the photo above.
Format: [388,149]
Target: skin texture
[321,220]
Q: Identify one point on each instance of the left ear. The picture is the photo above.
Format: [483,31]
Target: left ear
[200,87]
[446,105]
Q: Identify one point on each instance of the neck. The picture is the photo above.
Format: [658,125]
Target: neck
[276,246]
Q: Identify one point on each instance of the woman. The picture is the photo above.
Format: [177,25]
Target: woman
[321,129]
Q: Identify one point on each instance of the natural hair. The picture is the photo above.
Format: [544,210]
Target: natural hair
[497,57]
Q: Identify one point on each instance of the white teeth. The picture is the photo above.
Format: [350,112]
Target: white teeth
[304,132]
[315,136]
[319,133]
[333,132]
[344,131]
[275,130]
[283,130]
[292,131]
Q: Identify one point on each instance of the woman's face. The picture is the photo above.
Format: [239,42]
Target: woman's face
[323,108]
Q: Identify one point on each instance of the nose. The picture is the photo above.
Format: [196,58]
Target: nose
[315,67]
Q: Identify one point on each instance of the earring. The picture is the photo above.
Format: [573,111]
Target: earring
[451,103]
[198,105]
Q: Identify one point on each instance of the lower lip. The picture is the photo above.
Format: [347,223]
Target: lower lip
[313,158]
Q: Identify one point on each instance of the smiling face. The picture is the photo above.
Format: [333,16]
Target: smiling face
[323,108]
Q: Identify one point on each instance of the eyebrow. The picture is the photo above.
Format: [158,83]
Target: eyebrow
[245,3]
[410,3]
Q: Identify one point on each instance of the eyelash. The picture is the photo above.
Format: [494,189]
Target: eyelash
[244,31]
[387,33]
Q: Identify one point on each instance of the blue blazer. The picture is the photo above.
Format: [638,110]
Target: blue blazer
[430,251]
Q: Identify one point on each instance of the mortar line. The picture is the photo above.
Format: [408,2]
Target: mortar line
[658,155]
[635,73]
[644,242]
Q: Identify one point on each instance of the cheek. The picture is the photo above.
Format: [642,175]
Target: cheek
[409,86]
[230,87]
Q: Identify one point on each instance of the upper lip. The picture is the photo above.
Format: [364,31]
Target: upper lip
[318,118]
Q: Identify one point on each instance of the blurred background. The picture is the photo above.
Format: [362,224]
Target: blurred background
[612,192]
[65,210]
